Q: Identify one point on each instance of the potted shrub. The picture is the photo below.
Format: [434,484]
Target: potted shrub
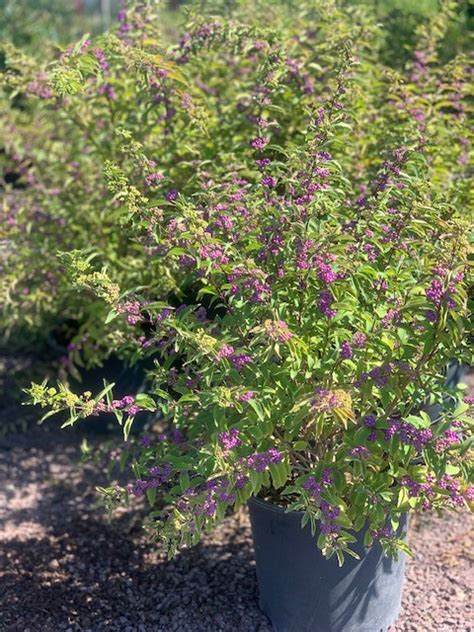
[336,265]
[325,258]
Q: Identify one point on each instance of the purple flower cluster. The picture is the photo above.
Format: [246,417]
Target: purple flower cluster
[408,434]
[379,374]
[416,489]
[226,351]
[382,533]
[456,497]
[224,222]
[269,181]
[125,26]
[262,162]
[419,67]
[370,421]
[158,475]
[238,360]
[132,310]
[260,461]
[329,512]
[127,403]
[259,143]
[359,452]
[229,439]
[241,481]
[216,491]
[107,90]
[441,291]
[146,441]
[215,253]
[246,397]
[100,56]
[253,281]
[303,256]
[392,316]
[172,195]
[153,178]
[324,304]
[346,351]
[40,87]
[325,272]
[164,314]
[359,339]
[203,500]
[449,438]
[417,437]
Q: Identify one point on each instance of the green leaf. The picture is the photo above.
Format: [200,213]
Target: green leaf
[127,427]
[151,495]
[279,473]
[368,539]
[256,481]
[110,316]
[145,401]
[257,408]
[300,445]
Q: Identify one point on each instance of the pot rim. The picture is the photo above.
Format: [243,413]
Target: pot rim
[272,507]
[296,514]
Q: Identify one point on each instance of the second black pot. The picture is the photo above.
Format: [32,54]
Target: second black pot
[301,591]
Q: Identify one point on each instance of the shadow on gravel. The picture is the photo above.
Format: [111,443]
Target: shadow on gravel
[97,580]
[63,565]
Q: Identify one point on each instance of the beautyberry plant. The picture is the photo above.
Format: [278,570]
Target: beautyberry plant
[325,258]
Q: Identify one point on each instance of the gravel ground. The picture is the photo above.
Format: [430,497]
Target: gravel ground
[63,566]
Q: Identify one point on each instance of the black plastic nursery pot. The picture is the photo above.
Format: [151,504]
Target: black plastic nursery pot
[301,591]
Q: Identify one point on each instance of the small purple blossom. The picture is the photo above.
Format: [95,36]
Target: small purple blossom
[324,304]
[107,90]
[269,181]
[262,162]
[241,481]
[259,143]
[229,439]
[240,360]
[359,339]
[260,461]
[370,421]
[101,58]
[346,351]
[226,351]
[247,396]
[153,178]
[360,452]
[172,195]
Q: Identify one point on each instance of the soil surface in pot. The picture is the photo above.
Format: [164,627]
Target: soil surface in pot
[64,567]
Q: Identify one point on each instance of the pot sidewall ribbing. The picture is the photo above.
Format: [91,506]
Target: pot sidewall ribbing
[301,591]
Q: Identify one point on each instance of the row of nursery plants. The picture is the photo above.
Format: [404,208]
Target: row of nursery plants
[277,226]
